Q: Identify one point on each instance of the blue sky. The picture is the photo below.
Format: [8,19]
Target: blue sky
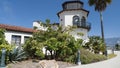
[24,12]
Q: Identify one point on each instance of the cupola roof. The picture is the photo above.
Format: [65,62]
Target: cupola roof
[75,4]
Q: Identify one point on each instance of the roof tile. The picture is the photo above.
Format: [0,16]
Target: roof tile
[16,28]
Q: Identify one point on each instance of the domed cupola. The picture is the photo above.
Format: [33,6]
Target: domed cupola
[75,4]
[73,14]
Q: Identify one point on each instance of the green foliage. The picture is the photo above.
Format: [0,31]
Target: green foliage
[33,48]
[2,37]
[99,5]
[117,46]
[62,46]
[88,57]
[58,42]
[5,45]
[95,44]
[111,56]
[34,27]
[12,53]
[68,49]
[8,49]
[47,22]
[17,54]
[80,34]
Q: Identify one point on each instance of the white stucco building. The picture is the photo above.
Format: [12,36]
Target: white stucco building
[73,14]
[16,35]
[38,25]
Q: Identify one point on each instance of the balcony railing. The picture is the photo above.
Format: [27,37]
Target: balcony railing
[85,25]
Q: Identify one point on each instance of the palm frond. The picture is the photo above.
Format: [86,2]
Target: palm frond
[91,2]
[108,1]
[100,5]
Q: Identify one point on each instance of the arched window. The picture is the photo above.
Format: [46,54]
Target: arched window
[75,20]
[83,21]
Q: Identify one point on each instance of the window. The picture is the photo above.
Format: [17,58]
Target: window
[16,40]
[75,20]
[83,21]
[26,38]
[61,19]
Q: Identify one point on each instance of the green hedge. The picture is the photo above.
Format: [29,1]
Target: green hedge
[8,50]
[88,57]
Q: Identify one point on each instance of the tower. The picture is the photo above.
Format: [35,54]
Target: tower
[73,14]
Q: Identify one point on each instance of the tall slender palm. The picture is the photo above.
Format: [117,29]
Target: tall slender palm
[100,6]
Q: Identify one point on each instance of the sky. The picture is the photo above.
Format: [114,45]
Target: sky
[25,12]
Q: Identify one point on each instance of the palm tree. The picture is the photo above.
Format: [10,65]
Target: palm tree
[100,6]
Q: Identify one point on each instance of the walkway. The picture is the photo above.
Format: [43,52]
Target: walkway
[111,63]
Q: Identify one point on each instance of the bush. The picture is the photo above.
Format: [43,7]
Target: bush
[95,45]
[68,50]
[88,57]
[117,46]
[111,56]
[17,54]
[8,49]
[2,37]
[12,53]
[33,49]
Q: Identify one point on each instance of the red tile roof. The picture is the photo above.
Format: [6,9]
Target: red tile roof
[16,28]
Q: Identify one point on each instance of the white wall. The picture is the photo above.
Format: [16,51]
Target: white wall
[39,26]
[67,17]
[67,20]
[36,24]
[8,35]
[75,34]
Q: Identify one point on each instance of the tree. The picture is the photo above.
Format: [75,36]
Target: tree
[58,42]
[2,37]
[117,46]
[100,6]
[95,44]
[4,44]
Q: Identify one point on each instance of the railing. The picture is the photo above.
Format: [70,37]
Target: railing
[85,25]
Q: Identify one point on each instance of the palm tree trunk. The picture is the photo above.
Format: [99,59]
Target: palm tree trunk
[102,28]
[102,32]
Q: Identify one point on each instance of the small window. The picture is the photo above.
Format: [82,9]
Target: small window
[75,20]
[61,19]
[16,40]
[83,21]
[26,38]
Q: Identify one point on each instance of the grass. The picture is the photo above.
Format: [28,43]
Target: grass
[111,56]
[9,66]
[88,57]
